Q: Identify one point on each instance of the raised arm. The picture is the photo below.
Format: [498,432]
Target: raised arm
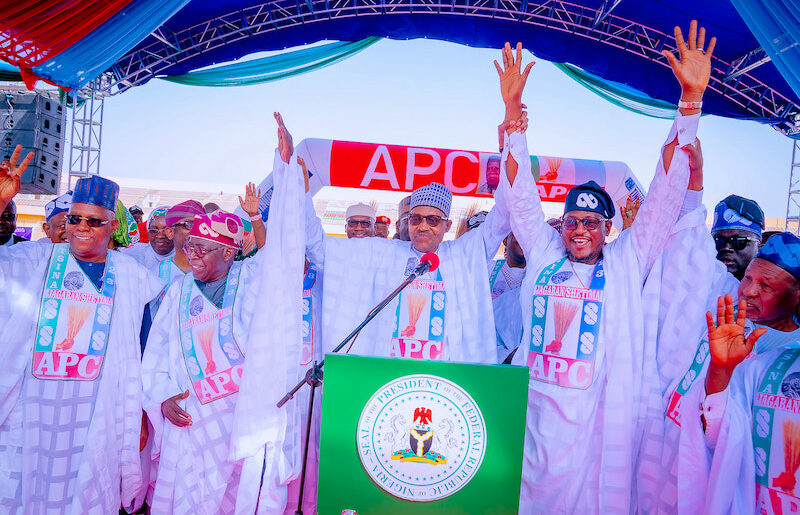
[517,187]
[10,175]
[250,206]
[649,232]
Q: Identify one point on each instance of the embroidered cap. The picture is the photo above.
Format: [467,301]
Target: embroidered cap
[404,206]
[220,227]
[590,196]
[383,220]
[58,205]
[476,219]
[735,212]
[159,211]
[783,249]
[98,191]
[187,209]
[433,195]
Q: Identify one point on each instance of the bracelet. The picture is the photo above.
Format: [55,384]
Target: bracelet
[690,105]
[256,217]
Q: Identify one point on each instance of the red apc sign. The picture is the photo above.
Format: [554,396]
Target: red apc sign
[400,168]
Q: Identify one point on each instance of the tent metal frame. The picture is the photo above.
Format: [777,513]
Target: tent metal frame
[730,80]
[793,202]
[86,132]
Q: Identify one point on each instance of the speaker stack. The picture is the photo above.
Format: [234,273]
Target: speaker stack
[37,121]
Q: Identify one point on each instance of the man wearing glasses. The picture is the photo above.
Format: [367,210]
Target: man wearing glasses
[70,396]
[738,223]
[582,308]
[210,428]
[360,221]
[159,248]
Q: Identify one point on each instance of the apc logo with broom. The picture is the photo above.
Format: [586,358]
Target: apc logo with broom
[421,437]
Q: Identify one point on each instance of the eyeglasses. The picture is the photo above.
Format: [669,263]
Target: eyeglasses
[431,220]
[735,242]
[186,225]
[153,232]
[366,224]
[91,221]
[190,249]
[590,223]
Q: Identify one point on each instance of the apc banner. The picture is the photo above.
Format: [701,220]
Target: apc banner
[411,437]
[380,166]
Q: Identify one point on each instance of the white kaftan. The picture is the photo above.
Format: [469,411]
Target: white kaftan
[215,465]
[70,445]
[588,397]
[145,255]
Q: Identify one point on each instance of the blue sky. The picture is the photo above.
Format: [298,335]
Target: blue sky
[422,93]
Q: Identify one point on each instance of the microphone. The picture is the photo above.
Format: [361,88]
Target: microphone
[427,263]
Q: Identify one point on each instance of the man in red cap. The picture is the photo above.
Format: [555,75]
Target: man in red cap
[382,226]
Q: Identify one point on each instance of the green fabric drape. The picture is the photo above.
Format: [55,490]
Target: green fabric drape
[273,68]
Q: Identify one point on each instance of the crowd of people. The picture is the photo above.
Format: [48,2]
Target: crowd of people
[664,364]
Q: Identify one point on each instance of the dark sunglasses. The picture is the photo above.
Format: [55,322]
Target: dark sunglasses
[355,223]
[90,221]
[186,225]
[590,223]
[735,242]
[431,220]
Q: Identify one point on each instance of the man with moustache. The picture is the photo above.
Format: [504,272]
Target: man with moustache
[55,218]
[738,223]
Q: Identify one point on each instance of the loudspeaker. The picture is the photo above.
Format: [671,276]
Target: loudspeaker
[37,121]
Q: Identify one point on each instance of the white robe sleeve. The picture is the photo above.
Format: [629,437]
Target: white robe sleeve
[527,217]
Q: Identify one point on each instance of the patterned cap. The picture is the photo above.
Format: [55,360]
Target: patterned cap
[783,249]
[404,206]
[159,211]
[433,195]
[383,220]
[476,219]
[220,227]
[735,212]
[187,209]
[98,191]
[58,205]
[590,196]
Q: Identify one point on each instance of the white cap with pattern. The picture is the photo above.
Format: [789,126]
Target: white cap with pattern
[433,195]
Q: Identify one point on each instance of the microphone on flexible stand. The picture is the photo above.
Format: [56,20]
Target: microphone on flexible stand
[429,262]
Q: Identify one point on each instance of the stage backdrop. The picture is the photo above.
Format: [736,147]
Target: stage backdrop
[466,172]
[410,437]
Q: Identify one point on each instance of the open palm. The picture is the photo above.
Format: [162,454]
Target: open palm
[726,340]
[693,70]
[512,77]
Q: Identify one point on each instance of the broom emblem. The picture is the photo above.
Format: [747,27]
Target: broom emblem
[206,337]
[564,314]
[791,455]
[76,317]
[416,303]
[553,164]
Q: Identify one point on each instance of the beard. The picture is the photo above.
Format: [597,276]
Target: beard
[591,258]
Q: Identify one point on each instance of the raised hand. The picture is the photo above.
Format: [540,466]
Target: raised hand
[695,153]
[629,212]
[251,199]
[693,70]
[285,143]
[727,344]
[302,164]
[512,80]
[174,413]
[10,175]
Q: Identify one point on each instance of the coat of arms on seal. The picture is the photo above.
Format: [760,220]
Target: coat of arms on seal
[421,437]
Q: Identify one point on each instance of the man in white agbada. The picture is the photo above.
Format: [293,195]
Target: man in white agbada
[207,393]
[70,394]
[159,248]
[582,310]
[741,456]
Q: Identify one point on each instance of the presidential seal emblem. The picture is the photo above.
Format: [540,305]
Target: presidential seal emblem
[421,437]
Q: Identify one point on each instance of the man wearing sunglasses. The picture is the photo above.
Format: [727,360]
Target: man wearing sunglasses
[738,223]
[71,394]
[217,331]
[582,309]
[359,221]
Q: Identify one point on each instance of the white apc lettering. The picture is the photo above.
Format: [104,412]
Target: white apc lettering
[580,374]
[412,169]
[65,359]
[46,366]
[206,389]
[448,172]
[537,368]
[429,347]
[221,379]
[86,361]
[412,347]
[373,175]
[555,366]
[236,374]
